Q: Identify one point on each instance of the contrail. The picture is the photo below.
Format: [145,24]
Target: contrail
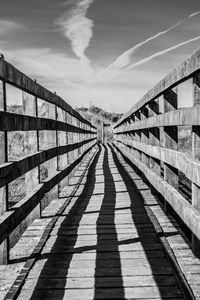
[157,54]
[124,59]
[78,28]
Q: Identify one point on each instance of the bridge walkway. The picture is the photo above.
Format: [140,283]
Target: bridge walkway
[113,241]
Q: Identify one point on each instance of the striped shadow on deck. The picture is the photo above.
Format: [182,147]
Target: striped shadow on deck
[106,247]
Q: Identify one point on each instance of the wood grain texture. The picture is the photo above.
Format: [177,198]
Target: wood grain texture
[185,163]
[15,122]
[11,171]
[181,117]
[104,246]
[11,219]
[189,215]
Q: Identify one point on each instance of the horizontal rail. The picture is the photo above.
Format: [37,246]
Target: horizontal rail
[11,219]
[157,132]
[15,122]
[185,71]
[179,160]
[189,116]
[11,75]
[13,170]
[189,215]
[64,134]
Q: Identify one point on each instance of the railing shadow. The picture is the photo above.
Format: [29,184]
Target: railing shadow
[105,271]
[65,257]
[185,232]
[137,204]
[108,278]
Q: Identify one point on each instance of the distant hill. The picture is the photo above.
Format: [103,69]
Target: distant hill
[97,115]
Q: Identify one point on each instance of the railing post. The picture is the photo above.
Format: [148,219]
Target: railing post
[170,138]
[196,155]
[79,138]
[132,135]
[61,140]
[138,139]
[49,141]
[137,134]
[145,135]
[76,138]
[4,247]
[53,163]
[30,146]
[70,141]
[154,136]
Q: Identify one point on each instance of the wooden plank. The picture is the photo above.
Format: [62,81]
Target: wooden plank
[31,179]
[10,220]
[171,242]
[195,153]
[11,171]
[15,122]
[4,254]
[116,293]
[180,117]
[80,262]
[127,265]
[45,227]
[128,281]
[189,215]
[186,164]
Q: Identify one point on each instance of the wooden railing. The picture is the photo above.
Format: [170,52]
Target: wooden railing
[149,136]
[42,140]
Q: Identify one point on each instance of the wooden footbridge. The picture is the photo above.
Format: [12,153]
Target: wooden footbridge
[85,220]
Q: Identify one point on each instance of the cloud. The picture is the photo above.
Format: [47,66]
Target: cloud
[7,27]
[125,58]
[46,65]
[78,28]
[160,53]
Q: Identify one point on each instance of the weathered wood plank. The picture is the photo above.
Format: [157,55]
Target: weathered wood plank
[4,255]
[11,171]
[15,122]
[189,215]
[113,252]
[180,117]
[115,293]
[10,220]
[188,264]
[185,163]
[195,153]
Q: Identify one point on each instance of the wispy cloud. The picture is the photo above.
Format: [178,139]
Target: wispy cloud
[78,28]
[44,64]
[125,58]
[160,53]
[8,27]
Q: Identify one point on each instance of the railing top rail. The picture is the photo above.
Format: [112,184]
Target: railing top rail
[175,77]
[11,75]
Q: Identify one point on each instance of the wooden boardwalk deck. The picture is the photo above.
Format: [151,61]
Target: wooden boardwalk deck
[107,245]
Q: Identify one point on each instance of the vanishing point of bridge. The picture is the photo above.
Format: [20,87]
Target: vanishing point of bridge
[85,220]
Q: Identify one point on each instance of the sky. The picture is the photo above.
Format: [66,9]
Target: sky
[107,53]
